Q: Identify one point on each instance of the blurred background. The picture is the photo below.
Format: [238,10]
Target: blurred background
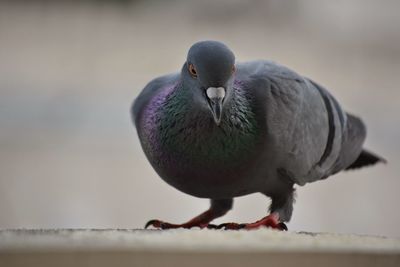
[70,156]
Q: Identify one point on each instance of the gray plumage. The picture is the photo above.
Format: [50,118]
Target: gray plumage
[277,129]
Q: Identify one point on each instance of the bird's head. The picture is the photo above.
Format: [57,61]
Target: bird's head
[208,72]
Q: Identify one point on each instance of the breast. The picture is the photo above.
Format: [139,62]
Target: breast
[190,152]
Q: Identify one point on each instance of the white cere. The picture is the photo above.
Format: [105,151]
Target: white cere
[216,92]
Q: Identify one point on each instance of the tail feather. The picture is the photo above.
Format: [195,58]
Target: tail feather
[366,158]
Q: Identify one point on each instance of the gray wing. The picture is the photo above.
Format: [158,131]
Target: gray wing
[305,123]
[353,139]
[149,91]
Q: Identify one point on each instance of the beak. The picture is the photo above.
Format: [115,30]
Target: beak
[215,97]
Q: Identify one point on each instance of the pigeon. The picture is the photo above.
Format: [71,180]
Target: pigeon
[220,129]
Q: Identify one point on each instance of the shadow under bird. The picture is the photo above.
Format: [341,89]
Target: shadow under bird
[220,130]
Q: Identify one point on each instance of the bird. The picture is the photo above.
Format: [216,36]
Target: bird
[220,129]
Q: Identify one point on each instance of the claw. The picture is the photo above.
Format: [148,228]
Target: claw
[154,223]
[282,227]
[212,226]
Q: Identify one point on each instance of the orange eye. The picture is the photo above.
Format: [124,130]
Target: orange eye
[192,70]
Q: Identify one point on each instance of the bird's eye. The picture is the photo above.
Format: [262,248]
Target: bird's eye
[233,68]
[192,71]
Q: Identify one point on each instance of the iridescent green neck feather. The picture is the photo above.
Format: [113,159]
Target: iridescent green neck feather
[189,135]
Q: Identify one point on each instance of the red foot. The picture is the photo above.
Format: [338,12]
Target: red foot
[271,221]
[165,225]
[231,226]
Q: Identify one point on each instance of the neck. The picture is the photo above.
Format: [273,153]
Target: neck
[189,133]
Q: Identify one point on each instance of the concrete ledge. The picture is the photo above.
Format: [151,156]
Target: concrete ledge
[193,248]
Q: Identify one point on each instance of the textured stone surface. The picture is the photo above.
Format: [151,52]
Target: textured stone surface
[125,247]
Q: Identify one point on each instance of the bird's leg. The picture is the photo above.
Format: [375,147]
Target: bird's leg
[281,211]
[218,208]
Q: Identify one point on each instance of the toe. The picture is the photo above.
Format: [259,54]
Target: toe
[282,227]
[154,223]
[212,226]
[231,226]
